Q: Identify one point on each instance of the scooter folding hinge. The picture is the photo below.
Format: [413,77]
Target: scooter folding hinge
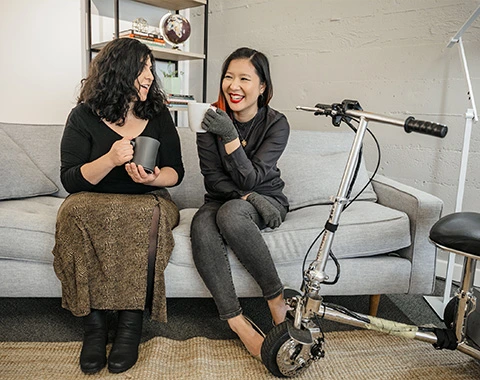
[341,200]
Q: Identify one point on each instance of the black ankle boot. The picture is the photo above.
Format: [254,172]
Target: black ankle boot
[124,352]
[94,355]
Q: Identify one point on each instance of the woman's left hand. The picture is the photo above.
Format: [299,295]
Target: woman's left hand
[139,175]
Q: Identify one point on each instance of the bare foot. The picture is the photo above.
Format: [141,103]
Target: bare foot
[278,309]
[250,338]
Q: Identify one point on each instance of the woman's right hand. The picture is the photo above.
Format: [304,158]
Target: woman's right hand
[121,151]
[218,122]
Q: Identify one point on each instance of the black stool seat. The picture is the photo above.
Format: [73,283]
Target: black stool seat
[459,231]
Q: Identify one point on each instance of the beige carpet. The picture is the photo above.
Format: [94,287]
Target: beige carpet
[349,355]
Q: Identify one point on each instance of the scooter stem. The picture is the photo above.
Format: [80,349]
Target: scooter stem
[315,275]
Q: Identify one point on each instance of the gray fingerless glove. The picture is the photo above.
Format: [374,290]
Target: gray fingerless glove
[270,214]
[219,123]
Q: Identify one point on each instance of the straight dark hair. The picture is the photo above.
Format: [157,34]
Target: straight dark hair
[262,68]
[109,88]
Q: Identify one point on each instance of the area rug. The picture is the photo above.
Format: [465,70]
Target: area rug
[355,355]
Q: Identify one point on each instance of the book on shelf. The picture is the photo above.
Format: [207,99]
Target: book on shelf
[177,106]
[152,44]
[179,101]
[147,38]
[181,96]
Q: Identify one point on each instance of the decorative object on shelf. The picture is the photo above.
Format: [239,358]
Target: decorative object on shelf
[171,79]
[140,25]
[175,29]
[171,72]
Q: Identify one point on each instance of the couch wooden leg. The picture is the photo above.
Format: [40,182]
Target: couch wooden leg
[374,302]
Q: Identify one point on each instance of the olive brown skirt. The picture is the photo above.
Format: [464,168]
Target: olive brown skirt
[101,252]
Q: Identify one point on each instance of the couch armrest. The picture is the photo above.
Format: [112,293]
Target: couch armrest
[423,210]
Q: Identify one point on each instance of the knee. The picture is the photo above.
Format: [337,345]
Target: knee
[233,215]
[203,228]
[71,207]
[198,226]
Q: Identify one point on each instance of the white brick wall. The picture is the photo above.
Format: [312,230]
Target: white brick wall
[389,55]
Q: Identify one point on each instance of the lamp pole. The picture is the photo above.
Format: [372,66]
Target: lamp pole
[438,304]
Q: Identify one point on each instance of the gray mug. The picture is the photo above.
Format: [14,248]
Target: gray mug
[145,151]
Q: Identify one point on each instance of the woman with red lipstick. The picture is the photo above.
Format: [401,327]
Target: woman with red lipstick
[113,236]
[238,159]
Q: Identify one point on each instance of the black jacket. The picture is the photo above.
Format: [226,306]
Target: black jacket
[253,168]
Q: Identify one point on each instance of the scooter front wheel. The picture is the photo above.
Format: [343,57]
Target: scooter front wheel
[282,355]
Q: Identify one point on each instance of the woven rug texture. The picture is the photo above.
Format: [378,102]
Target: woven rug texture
[355,355]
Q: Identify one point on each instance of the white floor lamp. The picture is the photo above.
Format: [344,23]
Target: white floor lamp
[438,303]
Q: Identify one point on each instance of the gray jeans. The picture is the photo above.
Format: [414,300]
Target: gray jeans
[238,224]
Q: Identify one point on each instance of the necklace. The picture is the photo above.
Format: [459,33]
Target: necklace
[245,127]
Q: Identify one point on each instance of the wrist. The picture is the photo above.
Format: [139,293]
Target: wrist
[245,197]
[109,161]
[232,146]
[230,136]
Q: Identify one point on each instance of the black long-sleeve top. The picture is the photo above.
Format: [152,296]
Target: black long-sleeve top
[250,168]
[86,137]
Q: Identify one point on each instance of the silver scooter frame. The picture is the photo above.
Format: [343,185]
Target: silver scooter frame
[308,308]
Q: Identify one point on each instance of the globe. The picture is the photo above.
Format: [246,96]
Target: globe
[175,29]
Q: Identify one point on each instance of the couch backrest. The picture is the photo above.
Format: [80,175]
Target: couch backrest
[190,193]
[311,166]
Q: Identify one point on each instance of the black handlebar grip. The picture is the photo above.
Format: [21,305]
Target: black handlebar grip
[426,127]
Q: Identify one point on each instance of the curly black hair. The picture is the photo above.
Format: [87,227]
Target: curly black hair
[109,88]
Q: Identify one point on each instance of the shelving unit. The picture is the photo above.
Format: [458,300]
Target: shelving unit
[160,53]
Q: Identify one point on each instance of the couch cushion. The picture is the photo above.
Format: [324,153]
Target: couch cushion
[369,227]
[27,228]
[312,167]
[42,145]
[20,176]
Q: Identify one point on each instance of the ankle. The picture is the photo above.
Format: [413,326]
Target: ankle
[237,323]
[130,320]
[124,353]
[93,353]
[95,322]
[278,309]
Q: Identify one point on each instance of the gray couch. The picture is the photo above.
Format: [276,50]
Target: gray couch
[381,243]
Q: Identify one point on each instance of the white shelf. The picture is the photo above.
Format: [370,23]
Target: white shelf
[167,54]
[174,5]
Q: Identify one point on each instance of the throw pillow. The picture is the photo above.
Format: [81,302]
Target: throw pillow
[21,178]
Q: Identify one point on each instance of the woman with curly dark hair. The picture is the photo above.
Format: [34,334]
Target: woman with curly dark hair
[113,235]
